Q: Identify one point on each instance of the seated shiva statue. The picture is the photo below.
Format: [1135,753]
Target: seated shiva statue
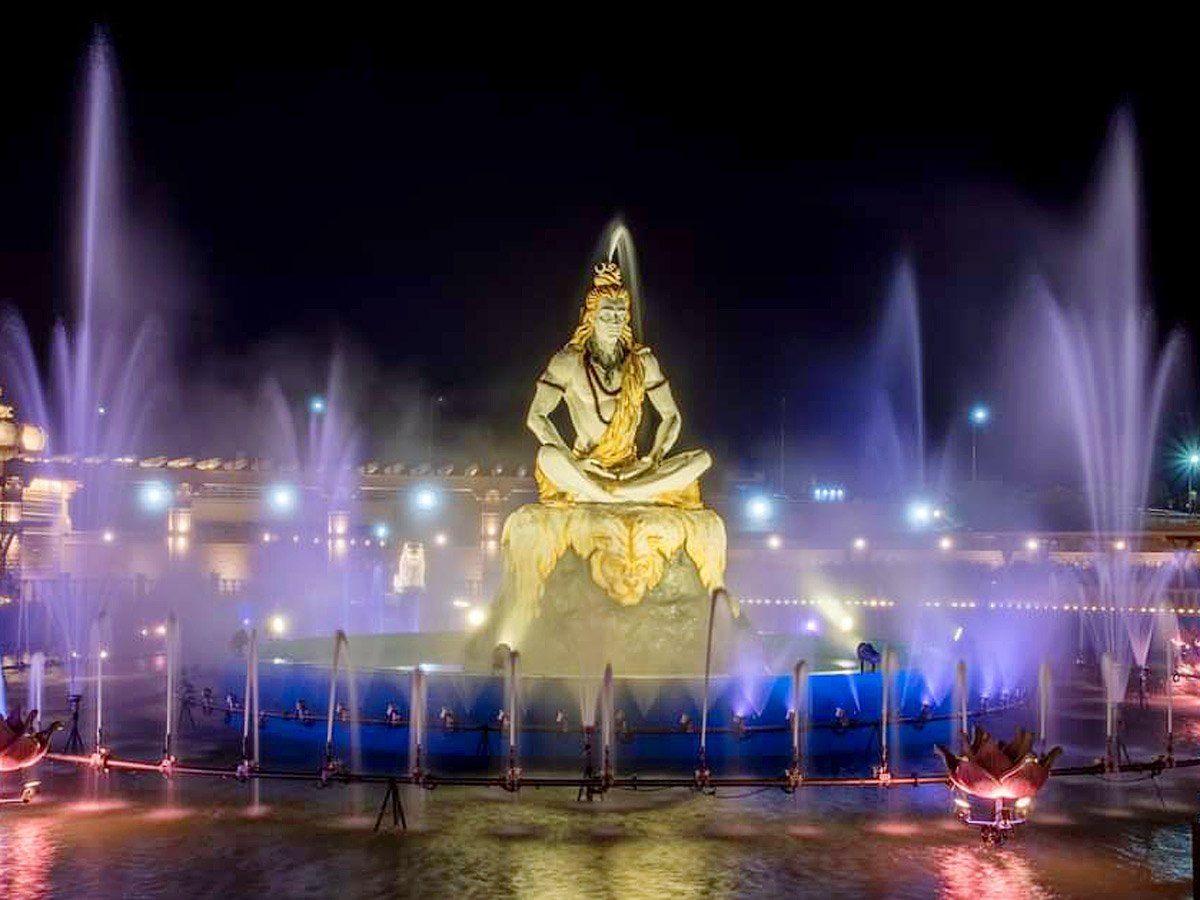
[605,377]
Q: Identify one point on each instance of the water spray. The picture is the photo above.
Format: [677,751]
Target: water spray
[607,726]
[339,639]
[37,685]
[960,687]
[1108,676]
[416,723]
[172,630]
[1044,685]
[702,770]
[250,714]
[99,743]
[1170,678]
[513,775]
[799,724]
[889,665]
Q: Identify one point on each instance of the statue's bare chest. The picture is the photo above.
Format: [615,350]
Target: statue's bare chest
[592,393]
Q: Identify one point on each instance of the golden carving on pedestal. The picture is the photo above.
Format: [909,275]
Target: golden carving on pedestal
[626,546]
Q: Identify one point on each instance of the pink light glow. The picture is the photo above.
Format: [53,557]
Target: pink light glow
[168,814]
[95,806]
[897,829]
[27,851]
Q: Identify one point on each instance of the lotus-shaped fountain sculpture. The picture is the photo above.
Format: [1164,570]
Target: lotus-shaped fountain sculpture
[998,771]
[21,746]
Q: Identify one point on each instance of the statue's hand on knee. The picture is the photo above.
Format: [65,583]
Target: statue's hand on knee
[593,468]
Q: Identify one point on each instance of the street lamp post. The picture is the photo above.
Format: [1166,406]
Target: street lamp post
[434,402]
[1193,461]
[980,415]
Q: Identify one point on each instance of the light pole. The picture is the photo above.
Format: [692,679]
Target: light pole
[1193,461]
[980,415]
[782,419]
[434,403]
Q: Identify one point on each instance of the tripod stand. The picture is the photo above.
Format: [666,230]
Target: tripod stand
[74,740]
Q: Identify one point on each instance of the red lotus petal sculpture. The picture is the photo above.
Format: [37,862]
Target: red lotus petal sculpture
[998,771]
[21,746]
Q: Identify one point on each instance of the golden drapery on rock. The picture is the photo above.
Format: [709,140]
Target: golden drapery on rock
[626,546]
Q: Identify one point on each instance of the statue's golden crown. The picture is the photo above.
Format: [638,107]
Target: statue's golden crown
[606,274]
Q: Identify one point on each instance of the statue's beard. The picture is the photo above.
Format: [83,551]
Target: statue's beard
[610,357]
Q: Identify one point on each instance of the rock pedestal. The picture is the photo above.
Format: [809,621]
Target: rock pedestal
[623,583]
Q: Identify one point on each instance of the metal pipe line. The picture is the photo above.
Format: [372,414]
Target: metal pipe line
[597,783]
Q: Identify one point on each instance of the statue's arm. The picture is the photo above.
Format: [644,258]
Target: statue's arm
[547,396]
[658,389]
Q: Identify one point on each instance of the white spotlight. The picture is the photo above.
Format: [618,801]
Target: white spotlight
[758,509]
[154,496]
[282,498]
[919,513]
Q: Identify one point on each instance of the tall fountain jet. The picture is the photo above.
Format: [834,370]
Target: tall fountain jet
[94,399]
[1116,375]
[895,417]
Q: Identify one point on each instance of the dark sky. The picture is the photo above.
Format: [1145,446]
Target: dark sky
[430,200]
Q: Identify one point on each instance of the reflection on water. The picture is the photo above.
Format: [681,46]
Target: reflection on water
[477,843]
[127,836]
[26,856]
[970,872]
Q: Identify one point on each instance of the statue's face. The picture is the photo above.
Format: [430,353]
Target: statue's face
[610,321]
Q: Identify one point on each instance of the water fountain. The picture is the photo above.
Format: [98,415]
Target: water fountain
[1116,378]
[895,413]
[783,725]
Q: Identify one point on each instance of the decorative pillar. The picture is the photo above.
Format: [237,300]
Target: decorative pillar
[179,522]
[338,529]
[490,529]
[10,527]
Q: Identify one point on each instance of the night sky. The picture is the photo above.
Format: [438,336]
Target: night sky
[429,202]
